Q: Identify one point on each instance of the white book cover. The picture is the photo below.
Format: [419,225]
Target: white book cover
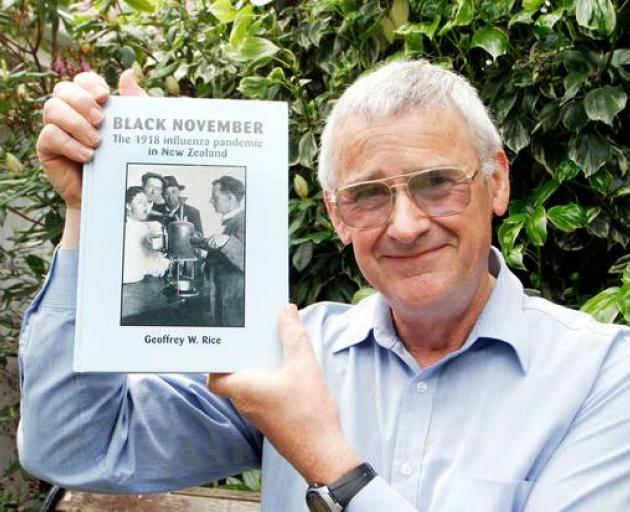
[183,263]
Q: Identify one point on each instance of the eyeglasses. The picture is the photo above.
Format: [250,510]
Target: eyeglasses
[437,192]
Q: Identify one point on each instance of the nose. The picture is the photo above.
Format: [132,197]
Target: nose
[407,221]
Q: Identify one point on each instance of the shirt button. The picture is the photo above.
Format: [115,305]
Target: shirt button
[405,469]
[422,387]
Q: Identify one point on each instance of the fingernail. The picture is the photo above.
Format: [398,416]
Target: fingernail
[101,90]
[94,137]
[96,115]
[86,153]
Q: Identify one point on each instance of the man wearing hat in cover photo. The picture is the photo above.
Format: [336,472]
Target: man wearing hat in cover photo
[174,208]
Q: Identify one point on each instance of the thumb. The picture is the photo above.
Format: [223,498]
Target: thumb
[127,85]
[293,334]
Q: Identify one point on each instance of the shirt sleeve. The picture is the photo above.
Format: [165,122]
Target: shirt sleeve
[590,469]
[379,495]
[113,432]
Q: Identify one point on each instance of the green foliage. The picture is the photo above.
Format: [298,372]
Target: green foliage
[555,75]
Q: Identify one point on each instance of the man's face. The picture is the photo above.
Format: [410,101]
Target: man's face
[223,202]
[171,196]
[139,207]
[414,260]
[153,189]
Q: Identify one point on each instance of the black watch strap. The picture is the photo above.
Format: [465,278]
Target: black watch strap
[348,486]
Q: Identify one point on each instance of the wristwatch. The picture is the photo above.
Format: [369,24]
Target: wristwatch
[335,497]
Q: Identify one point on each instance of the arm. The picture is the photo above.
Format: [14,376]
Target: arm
[590,469]
[108,432]
[295,410]
[117,433]
[234,251]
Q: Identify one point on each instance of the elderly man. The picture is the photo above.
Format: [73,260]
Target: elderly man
[461,392]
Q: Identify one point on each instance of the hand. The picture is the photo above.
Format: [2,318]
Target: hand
[292,406]
[197,240]
[71,118]
[217,241]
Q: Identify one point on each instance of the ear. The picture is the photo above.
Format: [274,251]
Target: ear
[343,232]
[500,184]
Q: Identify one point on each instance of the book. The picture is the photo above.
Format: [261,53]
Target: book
[183,262]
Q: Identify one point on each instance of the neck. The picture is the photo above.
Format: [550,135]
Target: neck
[440,330]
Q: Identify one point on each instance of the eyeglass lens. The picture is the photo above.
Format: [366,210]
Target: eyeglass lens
[438,192]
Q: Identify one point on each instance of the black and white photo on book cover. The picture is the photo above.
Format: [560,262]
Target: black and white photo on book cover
[184,246]
[183,261]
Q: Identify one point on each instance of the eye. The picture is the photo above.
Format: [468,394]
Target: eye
[366,193]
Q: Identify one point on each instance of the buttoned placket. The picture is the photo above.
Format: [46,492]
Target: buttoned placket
[414,421]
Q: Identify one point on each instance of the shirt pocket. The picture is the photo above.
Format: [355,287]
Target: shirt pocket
[474,494]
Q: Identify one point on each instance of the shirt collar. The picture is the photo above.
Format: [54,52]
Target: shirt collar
[501,319]
[233,213]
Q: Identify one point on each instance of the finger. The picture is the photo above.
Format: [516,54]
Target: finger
[221,384]
[80,100]
[54,142]
[127,85]
[58,113]
[93,84]
[293,334]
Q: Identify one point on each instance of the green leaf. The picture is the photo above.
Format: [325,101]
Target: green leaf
[621,58]
[13,163]
[545,191]
[604,305]
[515,133]
[590,151]
[597,15]
[307,149]
[623,302]
[302,256]
[491,39]
[251,478]
[126,55]
[514,257]
[140,5]
[362,293]
[509,230]
[523,16]
[38,266]
[532,5]
[300,186]
[568,217]
[463,16]
[252,49]
[573,82]
[164,71]
[602,182]
[536,227]
[243,22]
[413,29]
[399,12]
[566,170]
[605,103]
[254,87]
[223,11]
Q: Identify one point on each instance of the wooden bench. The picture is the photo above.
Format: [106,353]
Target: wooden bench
[192,499]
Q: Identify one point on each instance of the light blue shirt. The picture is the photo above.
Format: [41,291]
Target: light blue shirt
[532,413]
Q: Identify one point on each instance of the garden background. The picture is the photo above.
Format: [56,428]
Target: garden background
[554,73]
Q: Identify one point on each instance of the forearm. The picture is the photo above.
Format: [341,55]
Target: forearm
[72,229]
[113,432]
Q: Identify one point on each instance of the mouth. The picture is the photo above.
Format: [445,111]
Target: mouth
[415,255]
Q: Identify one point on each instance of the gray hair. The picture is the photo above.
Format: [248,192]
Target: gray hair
[397,87]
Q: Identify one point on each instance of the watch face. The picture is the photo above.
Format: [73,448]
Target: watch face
[318,503]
